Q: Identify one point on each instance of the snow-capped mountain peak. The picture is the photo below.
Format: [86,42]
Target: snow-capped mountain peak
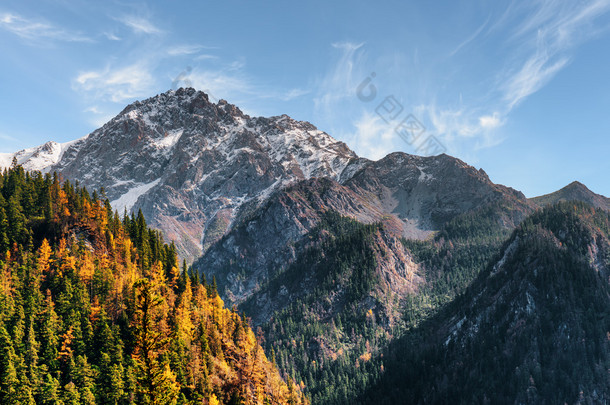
[190,164]
[37,158]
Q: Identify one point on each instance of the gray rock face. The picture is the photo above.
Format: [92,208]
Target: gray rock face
[425,192]
[268,240]
[190,164]
[246,190]
[412,196]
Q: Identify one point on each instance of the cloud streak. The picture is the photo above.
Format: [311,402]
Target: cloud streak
[538,42]
[340,82]
[230,84]
[116,84]
[373,137]
[470,39]
[337,87]
[139,25]
[553,29]
[533,75]
[180,50]
[36,31]
[7,138]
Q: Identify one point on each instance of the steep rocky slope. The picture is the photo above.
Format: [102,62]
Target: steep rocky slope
[426,192]
[196,169]
[411,196]
[189,164]
[532,329]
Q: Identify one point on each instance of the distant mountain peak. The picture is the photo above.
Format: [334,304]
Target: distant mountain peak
[575,191]
[576,185]
[36,158]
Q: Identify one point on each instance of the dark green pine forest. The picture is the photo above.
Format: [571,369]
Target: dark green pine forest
[533,330]
[329,340]
[95,309]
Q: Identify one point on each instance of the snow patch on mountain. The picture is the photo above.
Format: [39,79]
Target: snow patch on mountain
[39,157]
[127,200]
[423,176]
[5,160]
[212,159]
[169,140]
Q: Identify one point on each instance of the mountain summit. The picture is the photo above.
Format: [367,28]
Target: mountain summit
[196,169]
[190,164]
[574,191]
[332,255]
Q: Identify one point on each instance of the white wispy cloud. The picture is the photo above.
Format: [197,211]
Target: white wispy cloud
[178,50]
[450,123]
[236,65]
[340,82]
[470,39]
[294,93]
[112,36]
[339,109]
[116,84]
[205,56]
[7,138]
[464,130]
[552,30]
[231,82]
[222,84]
[99,115]
[373,138]
[38,30]
[93,109]
[139,25]
[533,75]
[538,40]
[490,121]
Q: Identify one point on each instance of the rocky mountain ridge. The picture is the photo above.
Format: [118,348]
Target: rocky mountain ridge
[574,191]
[190,164]
[411,196]
[332,255]
[196,169]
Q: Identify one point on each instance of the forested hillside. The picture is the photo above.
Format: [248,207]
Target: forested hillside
[533,328]
[94,309]
[333,334]
[326,336]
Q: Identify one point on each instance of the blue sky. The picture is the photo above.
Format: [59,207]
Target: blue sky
[519,88]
